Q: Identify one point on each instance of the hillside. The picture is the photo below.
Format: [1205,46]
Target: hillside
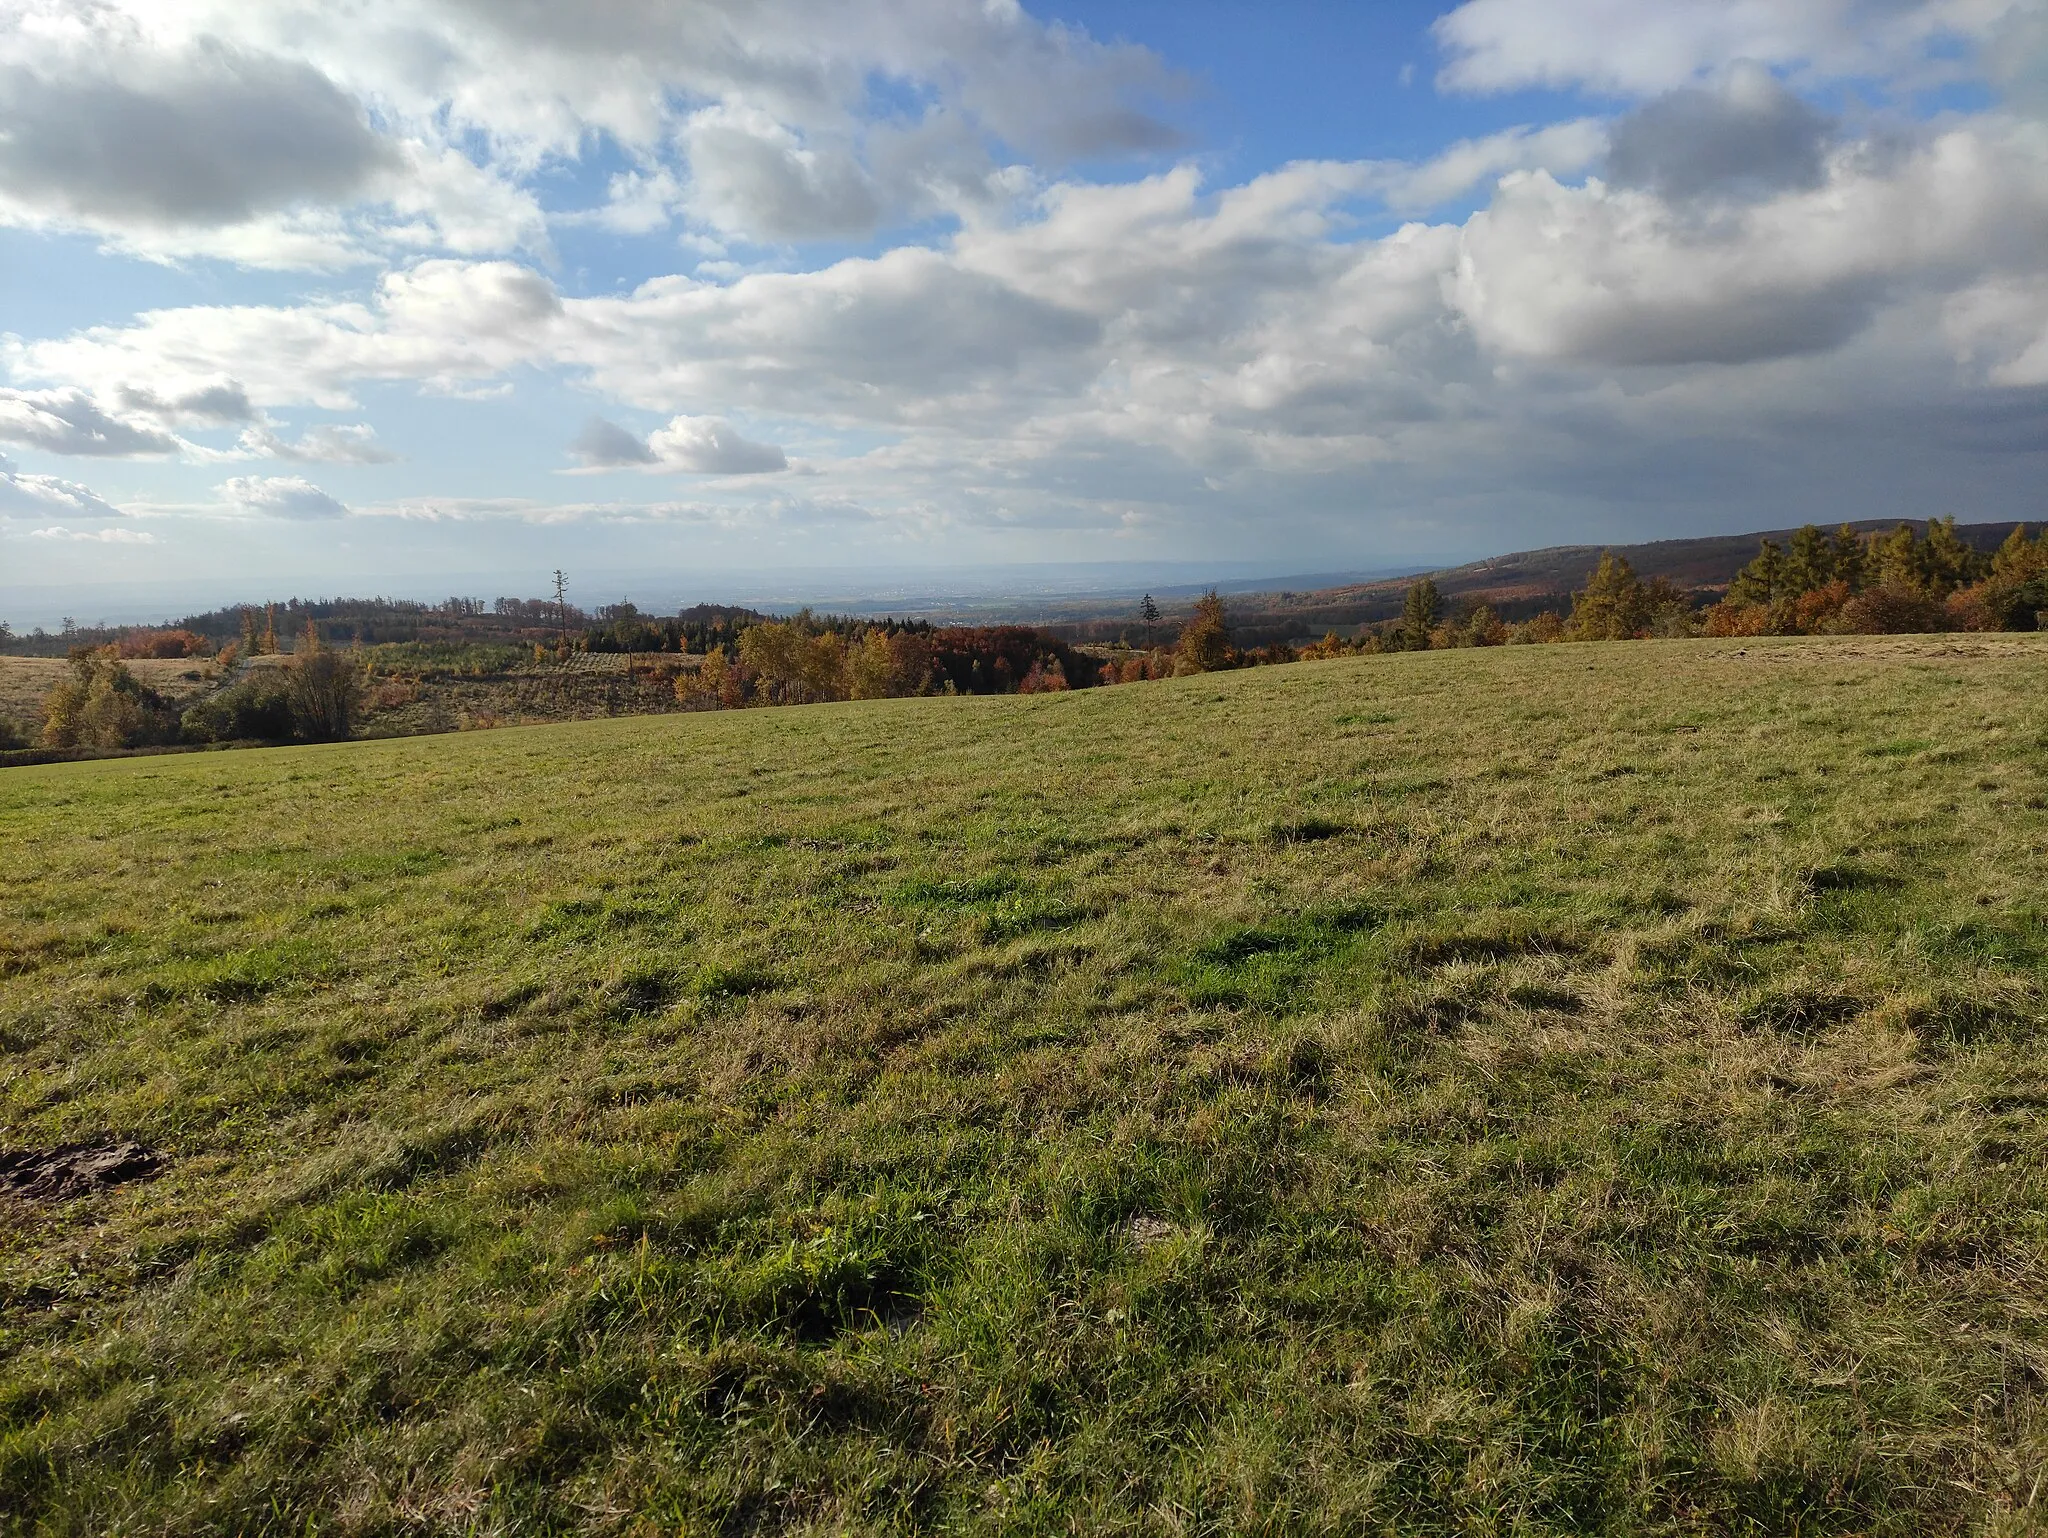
[1517,585]
[1537,1089]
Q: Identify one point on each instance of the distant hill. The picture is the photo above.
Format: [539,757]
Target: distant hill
[1517,585]
[1708,564]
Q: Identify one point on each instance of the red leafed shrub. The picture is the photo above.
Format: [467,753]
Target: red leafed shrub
[165,643]
[1893,610]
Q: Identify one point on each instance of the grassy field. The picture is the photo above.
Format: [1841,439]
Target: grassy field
[1571,1089]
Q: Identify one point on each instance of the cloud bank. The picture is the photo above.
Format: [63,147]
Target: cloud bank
[1745,259]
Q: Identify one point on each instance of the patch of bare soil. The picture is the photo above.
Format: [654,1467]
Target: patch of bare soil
[74,1170]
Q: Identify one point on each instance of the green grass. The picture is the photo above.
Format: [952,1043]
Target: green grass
[1552,1090]
[425,659]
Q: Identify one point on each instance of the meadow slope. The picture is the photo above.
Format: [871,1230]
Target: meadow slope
[1557,1089]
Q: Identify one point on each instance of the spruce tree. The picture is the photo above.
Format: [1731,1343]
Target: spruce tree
[1809,563]
[1419,615]
[1851,560]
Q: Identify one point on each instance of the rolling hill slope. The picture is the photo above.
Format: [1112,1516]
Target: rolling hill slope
[1518,584]
[1576,1088]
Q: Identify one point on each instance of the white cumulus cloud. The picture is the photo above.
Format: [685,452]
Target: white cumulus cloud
[705,445]
[45,496]
[281,496]
[71,422]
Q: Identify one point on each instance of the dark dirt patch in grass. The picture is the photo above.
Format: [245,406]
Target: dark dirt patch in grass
[1307,830]
[74,1169]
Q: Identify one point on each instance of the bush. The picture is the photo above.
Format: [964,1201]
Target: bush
[1543,630]
[258,709]
[1999,605]
[11,734]
[1893,609]
[326,692]
[100,708]
[165,644]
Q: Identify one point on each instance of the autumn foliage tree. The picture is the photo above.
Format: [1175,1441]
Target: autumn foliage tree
[1905,580]
[1205,639]
[100,708]
[1618,605]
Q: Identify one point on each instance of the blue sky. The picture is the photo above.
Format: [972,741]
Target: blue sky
[312,299]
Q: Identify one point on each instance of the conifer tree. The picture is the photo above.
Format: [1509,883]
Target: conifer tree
[1851,560]
[1615,605]
[1948,562]
[1809,562]
[1763,580]
[1419,615]
[2020,559]
[1895,560]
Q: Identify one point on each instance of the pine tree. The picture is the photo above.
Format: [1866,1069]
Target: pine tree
[251,640]
[1851,559]
[1809,563]
[1419,615]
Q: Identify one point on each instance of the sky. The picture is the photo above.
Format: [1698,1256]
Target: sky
[391,294]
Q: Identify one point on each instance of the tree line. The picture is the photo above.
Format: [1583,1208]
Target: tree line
[1906,580]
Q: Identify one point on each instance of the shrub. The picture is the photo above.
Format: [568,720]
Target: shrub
[165,644]
[325,692]
[1999,604]
[258,709]
[100,708]
[1542,630]
[1893,609]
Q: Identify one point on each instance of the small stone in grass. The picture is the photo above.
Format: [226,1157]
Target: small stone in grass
[1148,1231]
